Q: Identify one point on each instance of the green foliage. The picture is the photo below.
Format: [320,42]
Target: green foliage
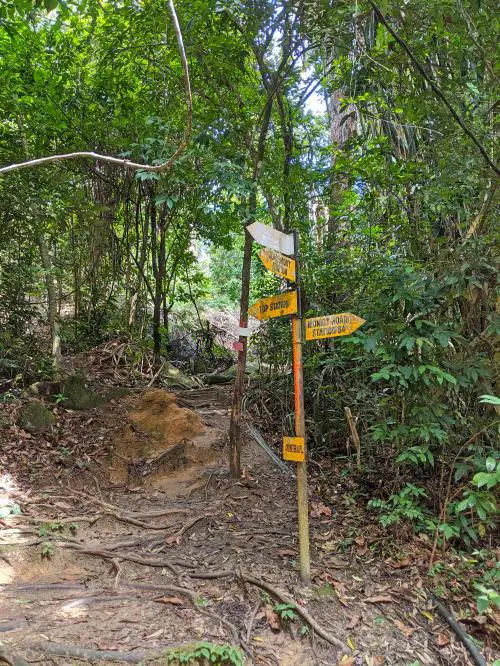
[206,653]
[401,506]
[286,612]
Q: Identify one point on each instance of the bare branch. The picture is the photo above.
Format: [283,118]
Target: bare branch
[165,167]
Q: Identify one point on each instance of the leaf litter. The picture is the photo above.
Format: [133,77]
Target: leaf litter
[66,473]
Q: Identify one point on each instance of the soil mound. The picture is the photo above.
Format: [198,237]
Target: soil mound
[160,416]
[163,446]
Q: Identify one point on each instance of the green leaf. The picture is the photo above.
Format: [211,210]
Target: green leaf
[489,399]
[482,604]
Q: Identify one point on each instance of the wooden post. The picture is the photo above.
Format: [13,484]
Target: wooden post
[300,427]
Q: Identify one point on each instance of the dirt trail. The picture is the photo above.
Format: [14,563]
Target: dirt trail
[142,552]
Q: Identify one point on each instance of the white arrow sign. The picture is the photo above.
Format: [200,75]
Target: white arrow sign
[272,238]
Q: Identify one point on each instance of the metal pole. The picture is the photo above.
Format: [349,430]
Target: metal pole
[300,427]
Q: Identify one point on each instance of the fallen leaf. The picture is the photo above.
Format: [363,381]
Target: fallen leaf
[286,552]
[405,562]
[360,541]
[351,643]
[156,634]
[319,509]
[381,599]
[442,640]
[346,661]
[355,619]
[427,615]
[378,660]
[407,631]
[272,617]
[175,601]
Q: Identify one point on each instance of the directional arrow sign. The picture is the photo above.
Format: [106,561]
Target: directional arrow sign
[278,264]
[272,238]
[274,306]
[332,326]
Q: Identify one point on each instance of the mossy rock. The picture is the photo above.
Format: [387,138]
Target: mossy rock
[76,394]
[117,392]
[35,417]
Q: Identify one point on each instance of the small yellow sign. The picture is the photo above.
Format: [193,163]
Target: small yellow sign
[332,326]
[274,306]
[294,448]
[278,264]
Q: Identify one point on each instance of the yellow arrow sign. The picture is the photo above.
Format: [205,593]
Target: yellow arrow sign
[274,306]
[278,264]
[332,326]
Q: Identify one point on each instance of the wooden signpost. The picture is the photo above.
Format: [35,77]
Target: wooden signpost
[332,326]
[278,264]
[279,244]
[274,306]
[271,238]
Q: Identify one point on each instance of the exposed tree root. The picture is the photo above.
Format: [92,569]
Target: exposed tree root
[298,609]
[113,555]
[124,518]
[187,526]
[8,659]
[75,652]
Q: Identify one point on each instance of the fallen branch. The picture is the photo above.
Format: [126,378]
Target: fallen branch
[461,633]
[354,436]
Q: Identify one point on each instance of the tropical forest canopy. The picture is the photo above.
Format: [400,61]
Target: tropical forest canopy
[369,128]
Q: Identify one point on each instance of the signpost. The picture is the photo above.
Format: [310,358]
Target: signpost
[271,238]
[293,449]
[279,244]
[332,326]
[274,306]
[278,264]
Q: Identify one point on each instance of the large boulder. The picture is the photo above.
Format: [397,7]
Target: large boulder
[35,417]
[76,395]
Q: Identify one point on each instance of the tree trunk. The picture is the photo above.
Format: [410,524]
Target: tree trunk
[53,319]
[239,382]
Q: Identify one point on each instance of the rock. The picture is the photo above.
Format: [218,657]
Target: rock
[77,395]
[46,389]
[251,370]
[117,392]
[35,417]
[174,377]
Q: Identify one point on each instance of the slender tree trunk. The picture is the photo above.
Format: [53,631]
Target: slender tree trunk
[52,316]
[159,261]
[239,382]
